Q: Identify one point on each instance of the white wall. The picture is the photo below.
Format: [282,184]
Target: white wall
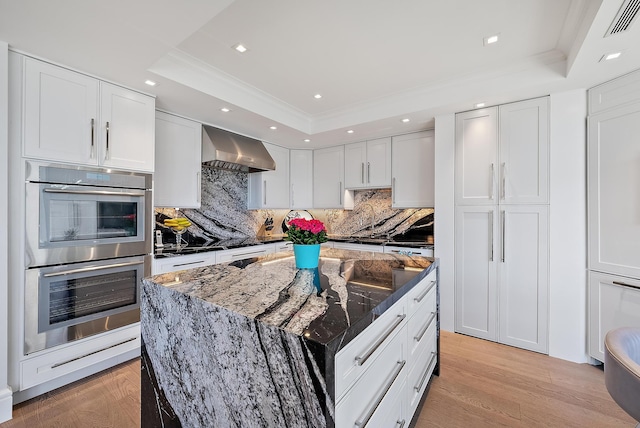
[5,391]
[567,223]
[567,273]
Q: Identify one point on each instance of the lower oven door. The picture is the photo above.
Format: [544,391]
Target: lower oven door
[69,302]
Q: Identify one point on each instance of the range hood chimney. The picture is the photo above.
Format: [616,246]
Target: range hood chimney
[226,150]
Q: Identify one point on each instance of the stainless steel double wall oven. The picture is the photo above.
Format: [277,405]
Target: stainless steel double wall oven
[88,240]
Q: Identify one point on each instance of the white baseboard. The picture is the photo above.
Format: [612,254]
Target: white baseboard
[6,404]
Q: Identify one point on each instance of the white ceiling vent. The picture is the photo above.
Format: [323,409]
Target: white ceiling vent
[626,15]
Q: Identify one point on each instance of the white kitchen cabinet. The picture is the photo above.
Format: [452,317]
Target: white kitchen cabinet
[301,179]
[270,189]
[367,164]
[176,182]
[74,118]
[412,168]
[328,178]
[398,249]
[187,261]
[358,247]
[614,186]
[502,154]
[501,265]
[225,256]
[615,93]
[614,302]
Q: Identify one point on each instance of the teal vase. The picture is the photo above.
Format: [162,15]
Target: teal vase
[307,256]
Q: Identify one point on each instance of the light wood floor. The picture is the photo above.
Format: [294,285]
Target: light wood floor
[482,384]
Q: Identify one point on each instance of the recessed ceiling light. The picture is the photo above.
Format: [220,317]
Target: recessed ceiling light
[479,105]
[225,109]
[240,48]
[489,40]
[306,140]
[317,96]
[350,131]
[273,127]
[611,56]
[405,120]
[150,82]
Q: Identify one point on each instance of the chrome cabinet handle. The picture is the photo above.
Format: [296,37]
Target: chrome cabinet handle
[93,127]
[424,293]
[626,285]
[503,233]
[424,328]
[491,235]
[106,155]
[252,253]
[400,424]
[363,359]
[264,186]
[362,172]
[189,263]
[504,173]
[293,195]
[393,190]
[90,269]
[426,372]
[368,172]
[493,181]
[340,193]
[93,192]
[198,188]
[364,419]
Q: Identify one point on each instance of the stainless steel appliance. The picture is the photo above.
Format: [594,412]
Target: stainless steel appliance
[88,240]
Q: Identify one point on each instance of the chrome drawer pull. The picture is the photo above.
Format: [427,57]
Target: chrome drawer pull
[363,359]
[418,338]
[424,293]
[426,372]
[400,424]
[189,263]
[362,422]
[626,285]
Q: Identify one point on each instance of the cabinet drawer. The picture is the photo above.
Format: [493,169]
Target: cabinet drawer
[423,252]
[172,264]
[420,372]
[422,298]
[362,352]
[376,389]
[358,247]
[283,246]
[243,253]
[51,365]
[421,330]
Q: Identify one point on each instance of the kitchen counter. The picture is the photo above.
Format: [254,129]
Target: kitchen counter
[252,343]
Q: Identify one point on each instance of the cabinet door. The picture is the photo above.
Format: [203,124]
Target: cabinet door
[412,166]
[177,166]
[613,302]
[355,165]
[126,129]
[614,189]
[523,283]
[328,177]
[524,152]
[476,157]
[378,167]
[61,114]
[301,179]
[270,189]
[476,247]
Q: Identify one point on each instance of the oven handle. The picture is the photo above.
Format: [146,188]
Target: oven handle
[91,269]
[94,192]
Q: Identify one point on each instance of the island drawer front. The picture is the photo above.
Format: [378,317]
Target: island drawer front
[190,261]
[367,395]
[243,253]
[392,411]
[78,355]
[374,338]
[420,371]
[422,297]
[420,335]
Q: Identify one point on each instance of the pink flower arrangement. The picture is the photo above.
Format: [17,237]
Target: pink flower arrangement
[306,232]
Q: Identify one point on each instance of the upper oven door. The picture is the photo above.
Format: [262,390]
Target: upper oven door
[67,223]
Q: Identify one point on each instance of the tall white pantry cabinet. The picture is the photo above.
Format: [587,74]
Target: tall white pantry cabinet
[502,224]
[613,208]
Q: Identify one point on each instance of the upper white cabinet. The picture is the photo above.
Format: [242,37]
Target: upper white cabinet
[178,162]
[368,164]
[270,189]
[412,166]
[71,117]
[615,93]
[328,177]
[301,179]
[502,154]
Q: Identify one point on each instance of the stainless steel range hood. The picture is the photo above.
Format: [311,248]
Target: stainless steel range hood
[226,150]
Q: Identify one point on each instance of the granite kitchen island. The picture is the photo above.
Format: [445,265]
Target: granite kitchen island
[259,343]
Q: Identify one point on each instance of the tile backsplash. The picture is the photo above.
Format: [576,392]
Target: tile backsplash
[223,214]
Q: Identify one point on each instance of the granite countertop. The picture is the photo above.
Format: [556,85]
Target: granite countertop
[328,305]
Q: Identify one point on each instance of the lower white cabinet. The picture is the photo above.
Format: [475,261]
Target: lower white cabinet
[243,253]
[189,261]
[394,249]
[358,247]
[381,375]
[614,302]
